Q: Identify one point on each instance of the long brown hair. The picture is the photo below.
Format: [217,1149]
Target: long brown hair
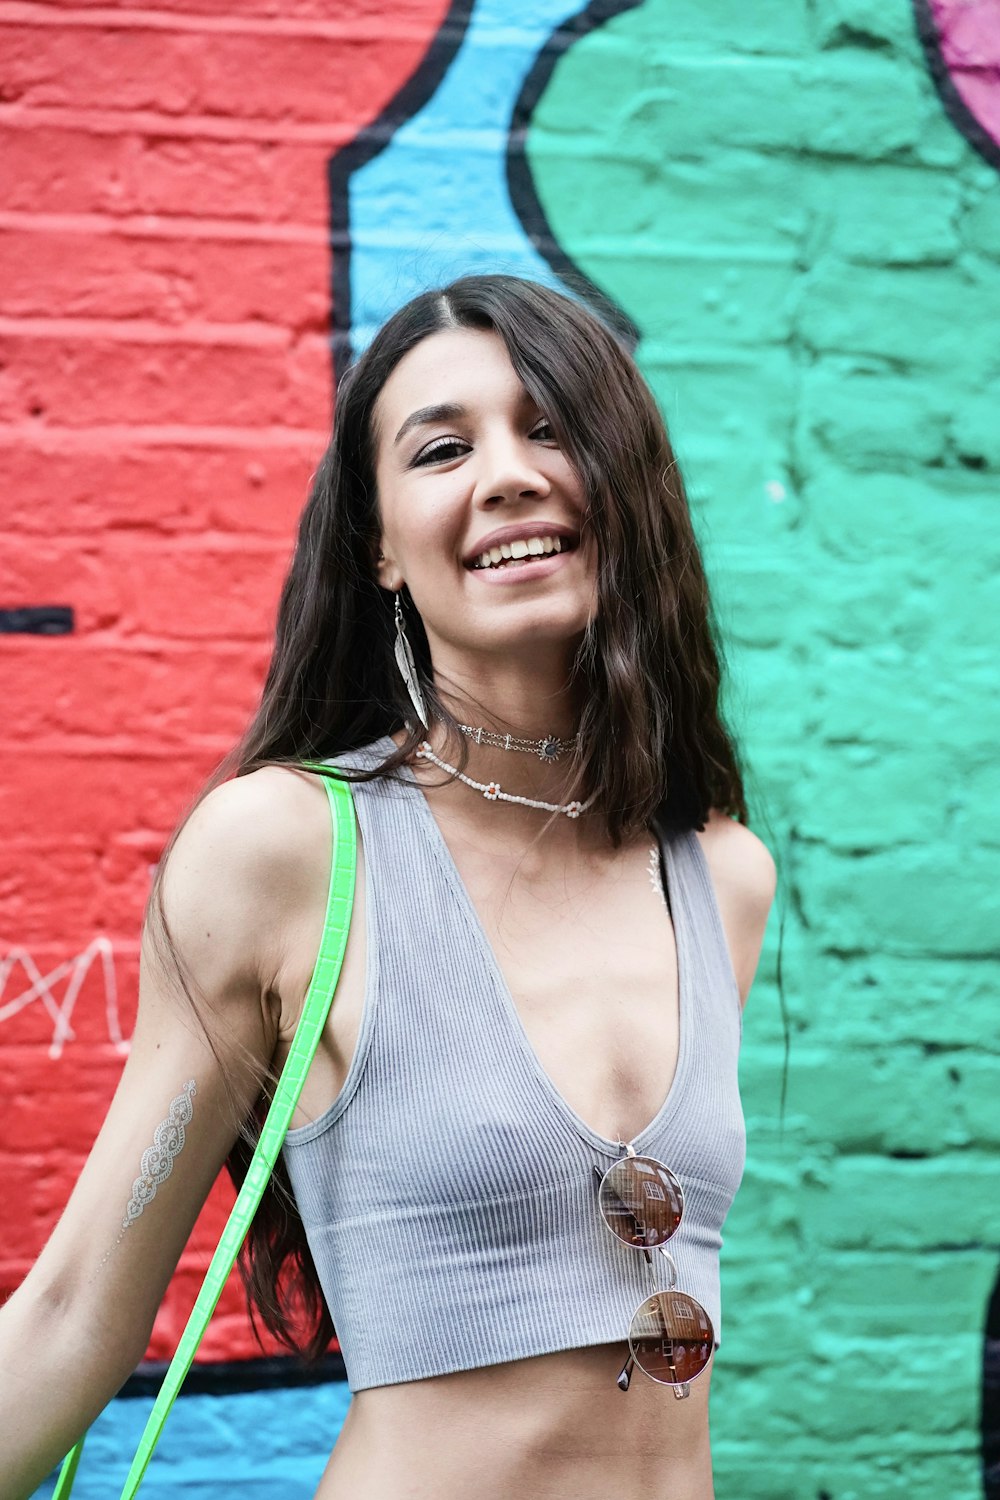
[651,734]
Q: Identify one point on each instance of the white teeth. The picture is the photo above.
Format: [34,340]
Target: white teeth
[535,546]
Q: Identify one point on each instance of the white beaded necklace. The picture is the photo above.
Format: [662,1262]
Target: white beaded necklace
[492,792]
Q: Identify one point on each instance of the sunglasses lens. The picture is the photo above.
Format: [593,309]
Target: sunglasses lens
[671,1337]
[642,1201]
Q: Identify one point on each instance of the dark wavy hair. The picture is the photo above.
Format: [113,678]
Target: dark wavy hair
[651,734]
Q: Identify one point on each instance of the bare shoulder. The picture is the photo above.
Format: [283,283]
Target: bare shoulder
[257,822]
[241,859]
[259,813]
[739,859]
[745,878]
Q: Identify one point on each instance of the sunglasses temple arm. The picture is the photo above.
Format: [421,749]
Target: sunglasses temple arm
[681,1390]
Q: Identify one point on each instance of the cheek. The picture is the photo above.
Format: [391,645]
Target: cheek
[429,532]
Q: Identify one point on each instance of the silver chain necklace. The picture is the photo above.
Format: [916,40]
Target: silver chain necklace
[491,790]
[549,748]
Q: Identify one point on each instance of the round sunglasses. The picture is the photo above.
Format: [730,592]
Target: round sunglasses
[670,1337]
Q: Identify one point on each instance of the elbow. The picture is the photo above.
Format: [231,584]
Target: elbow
[101,1333]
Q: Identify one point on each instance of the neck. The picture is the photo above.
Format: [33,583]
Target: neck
[501,696]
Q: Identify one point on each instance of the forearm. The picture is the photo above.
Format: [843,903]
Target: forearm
[58,1370]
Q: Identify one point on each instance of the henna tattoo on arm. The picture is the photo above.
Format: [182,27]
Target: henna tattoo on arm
[158,1159]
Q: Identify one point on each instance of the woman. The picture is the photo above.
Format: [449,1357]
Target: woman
[497,623]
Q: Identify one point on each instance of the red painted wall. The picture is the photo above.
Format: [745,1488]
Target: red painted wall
[165,392]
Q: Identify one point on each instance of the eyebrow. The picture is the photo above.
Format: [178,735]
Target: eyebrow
[443,411]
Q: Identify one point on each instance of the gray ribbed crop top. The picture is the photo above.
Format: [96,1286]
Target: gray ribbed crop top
[448,1192]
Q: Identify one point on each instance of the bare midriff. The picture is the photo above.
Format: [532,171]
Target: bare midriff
[546,1428]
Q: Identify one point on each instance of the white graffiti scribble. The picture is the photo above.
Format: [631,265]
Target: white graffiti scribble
[41,991]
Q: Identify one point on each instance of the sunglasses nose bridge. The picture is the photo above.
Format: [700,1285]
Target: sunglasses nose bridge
[671,1266]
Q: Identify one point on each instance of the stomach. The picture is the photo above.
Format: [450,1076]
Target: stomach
[544,1428]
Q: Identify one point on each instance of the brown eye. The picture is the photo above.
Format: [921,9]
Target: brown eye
[434,452]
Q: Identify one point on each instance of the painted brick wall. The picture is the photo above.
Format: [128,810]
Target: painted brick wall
[798,206]
[165,393]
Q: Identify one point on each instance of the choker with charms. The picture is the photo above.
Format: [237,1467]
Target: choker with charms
[548,749]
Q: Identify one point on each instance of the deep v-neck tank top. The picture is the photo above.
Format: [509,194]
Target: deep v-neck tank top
[448,1192]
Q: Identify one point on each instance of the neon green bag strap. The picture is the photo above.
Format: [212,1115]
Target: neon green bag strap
[316,1008]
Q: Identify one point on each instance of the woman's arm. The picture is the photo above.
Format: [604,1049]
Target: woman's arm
[75,1329]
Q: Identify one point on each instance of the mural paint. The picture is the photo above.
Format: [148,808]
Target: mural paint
[462,154]
[164,394]
[776,209]
[36,619]
[42,991]
[961,40]
[804,319]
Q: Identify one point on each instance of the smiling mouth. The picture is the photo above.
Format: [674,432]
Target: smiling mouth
[521,554]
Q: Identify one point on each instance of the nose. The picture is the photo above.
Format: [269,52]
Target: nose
[508,470]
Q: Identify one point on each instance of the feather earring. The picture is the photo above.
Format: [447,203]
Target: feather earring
[408,668]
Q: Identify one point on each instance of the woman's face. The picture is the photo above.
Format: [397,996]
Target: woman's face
[454,486]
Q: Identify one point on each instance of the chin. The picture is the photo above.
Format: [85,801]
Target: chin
[535,629]
[520,626]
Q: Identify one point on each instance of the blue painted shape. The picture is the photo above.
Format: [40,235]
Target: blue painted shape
[434,203]
[260,1445]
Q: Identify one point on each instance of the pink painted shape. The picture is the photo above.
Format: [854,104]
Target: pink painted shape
[969,36]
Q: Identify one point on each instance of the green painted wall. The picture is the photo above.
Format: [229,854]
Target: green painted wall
[777,196]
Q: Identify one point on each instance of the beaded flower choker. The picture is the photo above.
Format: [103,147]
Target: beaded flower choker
[492,791]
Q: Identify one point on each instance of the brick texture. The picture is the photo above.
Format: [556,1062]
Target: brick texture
[165,393]
[799,206]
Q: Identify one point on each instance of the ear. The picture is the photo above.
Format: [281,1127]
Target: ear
[386,573]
